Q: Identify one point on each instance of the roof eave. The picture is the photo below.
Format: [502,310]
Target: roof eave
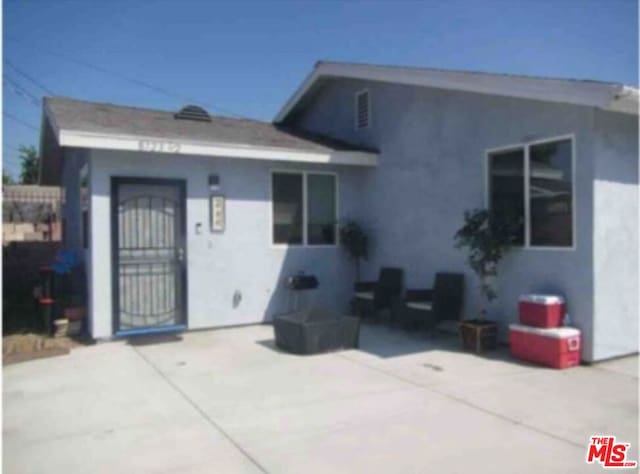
[81,139]
[300,92]
[586,93]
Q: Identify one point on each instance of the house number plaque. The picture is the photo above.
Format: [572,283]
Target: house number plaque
[217,213]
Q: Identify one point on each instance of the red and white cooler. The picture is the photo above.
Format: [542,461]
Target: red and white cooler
[543,311]
[556,347]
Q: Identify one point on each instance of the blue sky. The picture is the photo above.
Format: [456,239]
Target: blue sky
[249,57]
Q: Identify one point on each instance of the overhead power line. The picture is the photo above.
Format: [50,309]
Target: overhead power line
[14,160]
[11,161]
[29,77]
[9,154]
[20,121]
[12,147]
[15,149]
[20,91]
[133,80]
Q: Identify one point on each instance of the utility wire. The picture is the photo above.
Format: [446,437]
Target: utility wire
[6,162]
[11,160]
[15,148]
[13,157]
[21,91]
[14,160]
[133,80]
[20,121]
[12,149]
[28,77]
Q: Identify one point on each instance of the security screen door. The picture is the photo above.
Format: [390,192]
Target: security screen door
[149,255]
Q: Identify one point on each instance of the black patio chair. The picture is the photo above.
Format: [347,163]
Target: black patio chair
[426,308]
[373,297]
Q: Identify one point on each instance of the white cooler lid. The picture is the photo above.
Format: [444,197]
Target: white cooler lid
[559,333]
[542,299]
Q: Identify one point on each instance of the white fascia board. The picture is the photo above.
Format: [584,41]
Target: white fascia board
[308,82]
[79,139]
[626,100]
[594,94]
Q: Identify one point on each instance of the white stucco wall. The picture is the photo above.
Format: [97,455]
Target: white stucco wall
[432,168]
[616,250]
[240,259]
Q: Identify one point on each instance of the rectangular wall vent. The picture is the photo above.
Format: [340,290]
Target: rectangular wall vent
[363,109]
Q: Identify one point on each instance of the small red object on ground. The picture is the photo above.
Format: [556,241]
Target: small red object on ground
[543,311]
[556,347]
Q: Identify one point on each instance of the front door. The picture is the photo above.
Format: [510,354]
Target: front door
[149,280]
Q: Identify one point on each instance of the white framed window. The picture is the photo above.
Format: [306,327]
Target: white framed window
[533,184]
[304,208]
[362,109]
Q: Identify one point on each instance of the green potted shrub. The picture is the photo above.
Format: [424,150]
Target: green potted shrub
[355,241]
[487,240]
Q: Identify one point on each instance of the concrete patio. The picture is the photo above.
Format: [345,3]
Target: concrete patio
[227,401]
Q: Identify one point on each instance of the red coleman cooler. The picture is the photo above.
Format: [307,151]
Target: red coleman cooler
[556,347]
[543,311]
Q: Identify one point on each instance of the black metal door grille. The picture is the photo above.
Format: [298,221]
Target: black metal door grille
[150,257]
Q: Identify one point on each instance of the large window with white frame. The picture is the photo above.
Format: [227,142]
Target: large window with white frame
[304,208]
[532,185]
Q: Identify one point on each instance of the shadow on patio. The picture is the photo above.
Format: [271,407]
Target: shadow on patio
[385,342]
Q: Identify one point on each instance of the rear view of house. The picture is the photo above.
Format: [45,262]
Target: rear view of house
[195,221]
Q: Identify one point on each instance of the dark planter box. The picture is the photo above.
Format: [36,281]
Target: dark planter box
[479,335]
[315,331]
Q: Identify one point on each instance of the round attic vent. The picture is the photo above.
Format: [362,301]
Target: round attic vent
[193,112]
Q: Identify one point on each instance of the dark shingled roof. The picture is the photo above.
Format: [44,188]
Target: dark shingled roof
[93,117]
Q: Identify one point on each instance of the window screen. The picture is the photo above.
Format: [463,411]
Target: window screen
[287,208]
[551,194]
[321,209]
[506,189]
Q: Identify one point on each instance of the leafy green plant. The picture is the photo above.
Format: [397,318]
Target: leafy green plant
[487,239]
[354,239]
[29,165]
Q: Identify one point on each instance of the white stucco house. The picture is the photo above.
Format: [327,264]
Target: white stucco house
[194,220]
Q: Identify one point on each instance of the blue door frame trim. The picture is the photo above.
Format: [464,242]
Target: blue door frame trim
[182,186]
[149,331]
